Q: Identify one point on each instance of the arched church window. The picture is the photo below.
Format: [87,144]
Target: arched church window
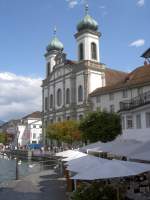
[51,101]
[48,68]
[59,97]
[81,51]
[93,51]
[46,103]
[80,93]
[68,96]
[80,117]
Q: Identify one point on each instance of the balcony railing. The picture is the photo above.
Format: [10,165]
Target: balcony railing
[140,100]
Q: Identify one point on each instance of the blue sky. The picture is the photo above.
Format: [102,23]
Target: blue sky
[27,28]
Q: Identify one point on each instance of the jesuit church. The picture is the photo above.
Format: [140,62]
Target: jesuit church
[68,84]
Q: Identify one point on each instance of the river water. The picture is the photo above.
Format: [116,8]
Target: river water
[8,168]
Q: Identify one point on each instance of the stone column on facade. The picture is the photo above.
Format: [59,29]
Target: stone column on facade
[54,100]
[73,96]
[64,94]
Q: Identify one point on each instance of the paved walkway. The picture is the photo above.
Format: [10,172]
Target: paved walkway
[42,186]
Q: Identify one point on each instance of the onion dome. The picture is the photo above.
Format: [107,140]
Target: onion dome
[55,44]
[87,22]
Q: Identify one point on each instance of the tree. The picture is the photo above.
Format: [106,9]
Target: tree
[100,126]
[66,131]
[95,191]
[2,138]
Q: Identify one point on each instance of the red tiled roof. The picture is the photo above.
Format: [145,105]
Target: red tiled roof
[114,76]
[137,77]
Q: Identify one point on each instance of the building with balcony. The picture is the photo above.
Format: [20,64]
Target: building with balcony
[135,115]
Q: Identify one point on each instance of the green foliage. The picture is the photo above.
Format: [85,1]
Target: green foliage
[95,191]
[2,138]
[100,126]
[66,131]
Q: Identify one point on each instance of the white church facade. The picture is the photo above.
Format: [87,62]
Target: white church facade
[68,84]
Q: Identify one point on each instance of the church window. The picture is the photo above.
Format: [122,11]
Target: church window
[93,51]
[59,97]
[59,119]
[51,121]
[80,93]
[80,117]
[68,118]
[51,101]
[68,96]
[48,68]
[46,103]
[81,51]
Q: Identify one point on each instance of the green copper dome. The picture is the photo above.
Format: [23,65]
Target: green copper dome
[55,45]
[87,23]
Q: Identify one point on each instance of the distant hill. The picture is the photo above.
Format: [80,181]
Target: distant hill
[1,122]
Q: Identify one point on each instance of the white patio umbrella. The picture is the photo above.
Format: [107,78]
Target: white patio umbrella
[90,146]
[84,163]
[64,153]
[70,154]
[144,156]
[119,147]
[74,155]
[112,169]
[142,152]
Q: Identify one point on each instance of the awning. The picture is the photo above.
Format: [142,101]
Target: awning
[70,155]
[84,163]
[119,147]
[111,169]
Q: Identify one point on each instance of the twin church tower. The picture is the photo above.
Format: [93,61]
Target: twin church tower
[68,83]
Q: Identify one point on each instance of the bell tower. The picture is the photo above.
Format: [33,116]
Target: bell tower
[87,38]
[53,49]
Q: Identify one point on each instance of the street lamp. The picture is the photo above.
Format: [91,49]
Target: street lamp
[17,170]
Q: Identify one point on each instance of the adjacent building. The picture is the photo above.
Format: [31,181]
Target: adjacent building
[30,129]
[26,130]
[131,99]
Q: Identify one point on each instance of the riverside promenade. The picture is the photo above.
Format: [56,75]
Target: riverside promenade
[45,185]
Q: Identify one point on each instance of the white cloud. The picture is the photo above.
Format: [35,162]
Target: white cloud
[19,95]
[141,3]
[72,3]
[137,43]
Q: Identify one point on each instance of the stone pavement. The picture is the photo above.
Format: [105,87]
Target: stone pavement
[42,186]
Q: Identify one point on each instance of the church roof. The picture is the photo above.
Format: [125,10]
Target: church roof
[55,44]
[138,77]
[87,22]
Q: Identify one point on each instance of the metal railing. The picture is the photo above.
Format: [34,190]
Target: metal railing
[135,102]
